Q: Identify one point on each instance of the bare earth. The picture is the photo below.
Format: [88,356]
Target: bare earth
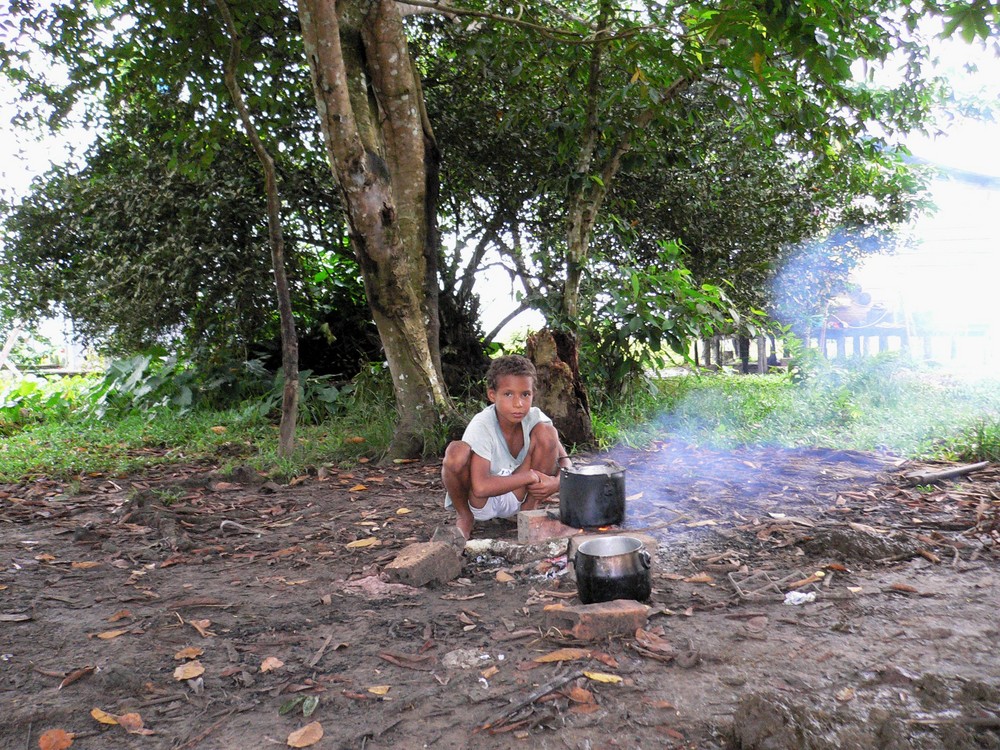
[104,582]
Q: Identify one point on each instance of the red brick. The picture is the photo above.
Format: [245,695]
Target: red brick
[424,562]
[591,622]
[538,526]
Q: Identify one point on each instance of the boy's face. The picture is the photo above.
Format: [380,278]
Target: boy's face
[512,397]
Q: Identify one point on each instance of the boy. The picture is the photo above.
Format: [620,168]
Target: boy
[508,458]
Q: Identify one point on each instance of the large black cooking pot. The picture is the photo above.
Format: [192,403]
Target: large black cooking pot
[592,496]
[612,567]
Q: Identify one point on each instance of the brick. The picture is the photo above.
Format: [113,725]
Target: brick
[591,622]
[538,526]
[649,542]
[424,562]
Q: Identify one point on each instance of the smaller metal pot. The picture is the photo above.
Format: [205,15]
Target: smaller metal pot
[612,567]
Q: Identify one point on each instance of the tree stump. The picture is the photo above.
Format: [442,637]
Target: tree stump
[558,390]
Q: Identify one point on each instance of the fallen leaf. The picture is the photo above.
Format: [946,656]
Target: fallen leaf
[133,724]
[290,705]
[370,541]
[309,705]
[84,564]
[653,642]
[504,577]
[700,578]
[580,695]
[271,663]
[189,670]
[202,627]
[107,635]
[191,652]
[424,663]
[845,695]
[379,689]
[55,739]
[45,557]
[357,488]
[611,679]
[76,674]
[310,734]
[104,717]
[121,614]
[490,671]
[903,587]
[402,511]
[355,439]
[563,654]
[218,429]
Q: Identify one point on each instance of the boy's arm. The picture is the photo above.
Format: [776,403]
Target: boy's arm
[485,484]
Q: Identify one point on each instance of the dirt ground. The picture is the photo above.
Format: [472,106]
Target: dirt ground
[116,591]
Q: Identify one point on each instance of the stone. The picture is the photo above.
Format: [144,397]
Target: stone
[591,622]
[539,526]
[424,562]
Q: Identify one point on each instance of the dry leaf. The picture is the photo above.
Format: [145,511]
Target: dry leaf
[367,542]
[379,689]
[845,695]
[357,488]
[45,557]
[310,734]
[580,695]
[402,511]
[121,614]
[271,663]
[504,577]
[55,739]
[191,652]
[202,627]
[700,578]
[611,679]
[218,429]
[490,671]
[189,670]
[563,654]
[107,635]
[84,564]
[104,717]
[653,642]
[75,675]
[132,723]
[355,439]
[903,587]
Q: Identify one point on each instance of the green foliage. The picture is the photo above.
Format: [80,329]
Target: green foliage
[647,317]
[33,400]
[979,441]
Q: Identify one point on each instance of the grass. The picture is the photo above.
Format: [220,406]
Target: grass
[883,404]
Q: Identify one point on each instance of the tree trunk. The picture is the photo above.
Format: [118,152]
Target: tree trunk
[560,394]
[289,337]
[382,151]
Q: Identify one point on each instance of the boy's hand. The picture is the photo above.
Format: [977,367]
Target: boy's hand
[544,487]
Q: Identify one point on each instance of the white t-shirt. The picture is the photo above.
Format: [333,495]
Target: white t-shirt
[485,438]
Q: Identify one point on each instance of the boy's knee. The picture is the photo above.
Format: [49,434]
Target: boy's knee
[457,455]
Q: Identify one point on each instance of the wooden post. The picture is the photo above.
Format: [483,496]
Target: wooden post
[761,355]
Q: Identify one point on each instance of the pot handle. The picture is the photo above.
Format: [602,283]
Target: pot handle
[644,558]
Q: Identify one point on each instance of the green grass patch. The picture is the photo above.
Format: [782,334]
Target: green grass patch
[885,404]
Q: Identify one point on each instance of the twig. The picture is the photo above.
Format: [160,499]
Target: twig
[936,476]
[545,689]
[985,722]
[241,527]
[195,741]
[322,649]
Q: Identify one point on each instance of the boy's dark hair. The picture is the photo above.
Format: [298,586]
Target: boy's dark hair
[509,364]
